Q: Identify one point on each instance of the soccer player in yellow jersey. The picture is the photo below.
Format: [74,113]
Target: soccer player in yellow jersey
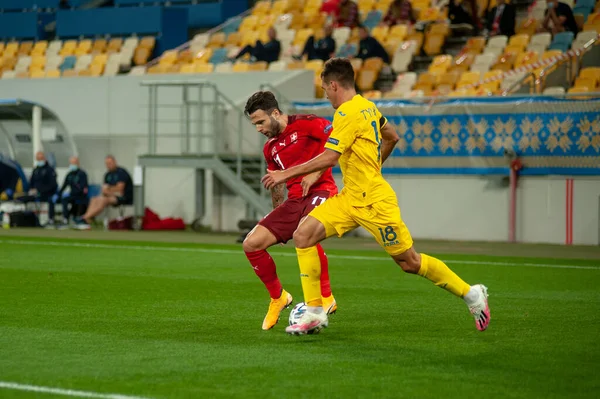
[361,141]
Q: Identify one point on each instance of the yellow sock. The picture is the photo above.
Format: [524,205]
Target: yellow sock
[310,275]
[436,271]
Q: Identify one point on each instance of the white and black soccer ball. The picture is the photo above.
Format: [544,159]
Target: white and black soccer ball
[297,313]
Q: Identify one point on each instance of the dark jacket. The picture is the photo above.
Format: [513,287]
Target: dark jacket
[118,176]
[77,181]
[506,25]
[370,47]
[9,177]
[43,179]
[268,52]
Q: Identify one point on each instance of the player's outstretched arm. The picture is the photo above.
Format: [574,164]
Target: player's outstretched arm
[324,160]
[389,138]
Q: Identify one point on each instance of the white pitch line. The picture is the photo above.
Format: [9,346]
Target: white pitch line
[332,256]
[64,392]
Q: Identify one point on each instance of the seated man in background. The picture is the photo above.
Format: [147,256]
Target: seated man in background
[42,185]
[369,47]
[116,190]
[501,19]
[321,49]
[268,51]
[77,182]
[559,18]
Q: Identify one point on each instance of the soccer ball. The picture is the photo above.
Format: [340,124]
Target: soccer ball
[297,313]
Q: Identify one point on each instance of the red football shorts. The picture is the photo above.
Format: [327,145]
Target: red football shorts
[283,220]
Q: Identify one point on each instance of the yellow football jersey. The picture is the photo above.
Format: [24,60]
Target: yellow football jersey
[357,136]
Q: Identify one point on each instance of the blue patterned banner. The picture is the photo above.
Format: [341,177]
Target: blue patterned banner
[471,136]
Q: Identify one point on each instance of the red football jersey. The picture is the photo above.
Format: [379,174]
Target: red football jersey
[303,139]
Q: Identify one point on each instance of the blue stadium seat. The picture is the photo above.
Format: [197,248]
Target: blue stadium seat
[562,41]
[68,63]
[347,50]
[219,56]
[373,19]
[232,25]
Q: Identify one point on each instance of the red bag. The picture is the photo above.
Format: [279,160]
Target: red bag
[153,222]
[121,224]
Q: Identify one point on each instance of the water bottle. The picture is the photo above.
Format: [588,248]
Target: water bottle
[5,220]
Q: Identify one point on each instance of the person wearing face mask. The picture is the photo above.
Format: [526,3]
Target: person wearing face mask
[42,185]
[559,18]
[77,182]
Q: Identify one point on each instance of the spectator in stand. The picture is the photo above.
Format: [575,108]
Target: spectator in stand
[321,49]
[501,19]
[400,12]
[458,13]
[77,199]
[369,46]
[347,14]
[268,51]
[116,190]
[330,7]
[42,185]
[559,18]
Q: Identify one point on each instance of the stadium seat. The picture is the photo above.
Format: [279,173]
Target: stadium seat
[68,63]
[462,62]
[366,79]
[218,56]
[111,69]
[498,42]
[398,32]
[511,80]
[9,75]
[69,73]
[39,48]
[372,94]
[468,78]
[295,65]
[217,40]
[96,69]
[231,25]
[68,48]
[83,62]
[440,64]
[449,78]
[527,26]
[53,62]
[99,46]
[475,45]
[54,47]
[554,90]
[114,45]
[561,41]
[84,47]
[541,39]
[585,82]
[373,64]
[591,73]
[11,48]
[261,7]
[224,67]
[37,74]
[372,19]
[433,44]
[37,62]
[526,58]
[277,66]
[25,47]
[138,70]
[405,82]
[53,73]
[201,68]
[403,56]
[519,40]
[347,50]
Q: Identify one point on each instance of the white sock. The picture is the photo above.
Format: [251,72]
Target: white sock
[315,309]
[472,296]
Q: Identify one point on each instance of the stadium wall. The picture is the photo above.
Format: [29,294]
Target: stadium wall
[109,115]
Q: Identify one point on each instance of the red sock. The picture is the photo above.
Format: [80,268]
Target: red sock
[325,285]
[264,267]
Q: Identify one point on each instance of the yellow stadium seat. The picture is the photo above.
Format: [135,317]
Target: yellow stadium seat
[217,40]
[84,47]
[100,59]
[391,46]
[439,29]
[491,86]
[491,74]
[550,54]
[528,26]
[468,78]
[248,23]
[115,45]
[258,66]
[185,57]
[314,65]
[2,45]
[37,74]
[372,94]
[261,7]
[519,40]
[189,68]
[96,69]
[294,65]
[462,92]
[398,32]
[577,90]
[429,14]
[168,57]
[99,46]
[11,48]
[68,48]
[475,45]
[203,68]
[366,79]
[364,6]
[249,38]
[585,82]
[449,78]
[591,73]
[25,48]
[279,7]
[433,44]
[301,37]
[516,50]
[39,48]
[440,64]
[53,73]
[203,56]
[240,67]
[141,55]
[69,73]
[294,5]
[526,58]
[428,79]
[380,33]
[148,42]
[234,39]
[373,64]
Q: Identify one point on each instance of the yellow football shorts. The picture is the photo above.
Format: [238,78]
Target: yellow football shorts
[382,219]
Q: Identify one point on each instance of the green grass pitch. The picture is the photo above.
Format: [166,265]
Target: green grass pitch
[183,321]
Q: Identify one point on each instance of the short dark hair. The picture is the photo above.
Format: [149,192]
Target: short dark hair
[264,100]
[340,70]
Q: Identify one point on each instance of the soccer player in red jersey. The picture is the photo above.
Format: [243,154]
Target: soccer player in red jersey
[293,140]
